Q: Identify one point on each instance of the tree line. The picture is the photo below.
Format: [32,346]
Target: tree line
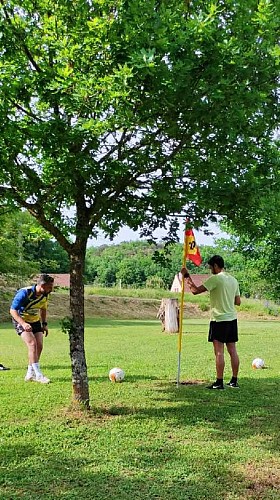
[140,264]
[26,250]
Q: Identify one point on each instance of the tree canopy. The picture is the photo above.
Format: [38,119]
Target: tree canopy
[17,231]
[27,249]
[130,111]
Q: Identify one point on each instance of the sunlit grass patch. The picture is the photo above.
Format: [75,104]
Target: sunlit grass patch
[143,438]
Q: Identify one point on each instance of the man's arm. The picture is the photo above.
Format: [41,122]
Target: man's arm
[16,316]
[196,290]
[237,300]
[43,316]
[17,304]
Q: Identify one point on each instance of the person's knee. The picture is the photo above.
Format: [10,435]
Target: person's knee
[31,343]
[231,348]
[219,353]
[219,356]
[32,347]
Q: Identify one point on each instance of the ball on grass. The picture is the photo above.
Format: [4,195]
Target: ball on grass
[257,363]
[116,375]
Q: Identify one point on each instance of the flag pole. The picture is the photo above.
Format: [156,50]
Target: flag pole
[181,311]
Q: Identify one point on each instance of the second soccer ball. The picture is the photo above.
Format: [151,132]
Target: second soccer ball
[116,375]
[258,363]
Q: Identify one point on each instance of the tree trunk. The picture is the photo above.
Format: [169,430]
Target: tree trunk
[76,331]
[169,315]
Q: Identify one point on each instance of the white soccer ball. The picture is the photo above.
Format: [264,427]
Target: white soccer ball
[258,363]
[116,375]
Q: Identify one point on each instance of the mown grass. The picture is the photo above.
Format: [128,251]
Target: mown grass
[144,438]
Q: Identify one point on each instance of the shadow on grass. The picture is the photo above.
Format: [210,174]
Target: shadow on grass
[231,414]
[86,467]
[130,379]
[98,379]
[58,367]
[56,476]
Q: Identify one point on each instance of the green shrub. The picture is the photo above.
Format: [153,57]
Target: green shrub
[204,307]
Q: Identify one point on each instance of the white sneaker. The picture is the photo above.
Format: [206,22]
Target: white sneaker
[30,377]
[42,379]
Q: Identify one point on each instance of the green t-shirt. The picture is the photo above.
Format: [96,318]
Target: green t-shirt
[223,289]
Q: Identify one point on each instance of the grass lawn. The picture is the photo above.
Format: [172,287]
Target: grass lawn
[144,438]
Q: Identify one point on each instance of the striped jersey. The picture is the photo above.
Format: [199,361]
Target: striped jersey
[28,304]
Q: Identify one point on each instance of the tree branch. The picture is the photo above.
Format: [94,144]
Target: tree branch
[20,39]
[28,113]
[37,211]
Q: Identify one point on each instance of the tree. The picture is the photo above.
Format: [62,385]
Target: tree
[106,273]
[128,112]
[131,272]
[27,249]
[49,254]
[257,237]
[19,232]
[254,259]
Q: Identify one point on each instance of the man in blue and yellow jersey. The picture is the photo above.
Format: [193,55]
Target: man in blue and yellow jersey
[224,296]
[29,316]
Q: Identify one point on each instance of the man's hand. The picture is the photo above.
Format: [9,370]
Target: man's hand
[185,272]
[45,330]
[27,327]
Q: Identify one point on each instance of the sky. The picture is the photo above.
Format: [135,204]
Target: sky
[126,234]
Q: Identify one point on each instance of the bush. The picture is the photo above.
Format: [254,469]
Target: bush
[204,307]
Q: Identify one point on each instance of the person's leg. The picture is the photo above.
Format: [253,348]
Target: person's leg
[39,375]
[214,333]
[34,343]
[234,359]
[39,341]
[220,365]
[30,341]
[220,358]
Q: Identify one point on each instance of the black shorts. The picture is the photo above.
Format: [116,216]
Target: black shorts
[223,331]
[36,327]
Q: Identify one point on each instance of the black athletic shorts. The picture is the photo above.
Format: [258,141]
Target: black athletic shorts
[223,331]
[36,327]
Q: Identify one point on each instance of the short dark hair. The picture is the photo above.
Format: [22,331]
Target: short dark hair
[44,279]
[216,259]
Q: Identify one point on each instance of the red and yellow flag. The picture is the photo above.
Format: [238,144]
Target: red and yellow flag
[191,249]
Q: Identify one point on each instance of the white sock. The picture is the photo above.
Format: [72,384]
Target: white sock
[36,368]
[29,370]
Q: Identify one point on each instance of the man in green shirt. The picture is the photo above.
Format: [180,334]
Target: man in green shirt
[224,296]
